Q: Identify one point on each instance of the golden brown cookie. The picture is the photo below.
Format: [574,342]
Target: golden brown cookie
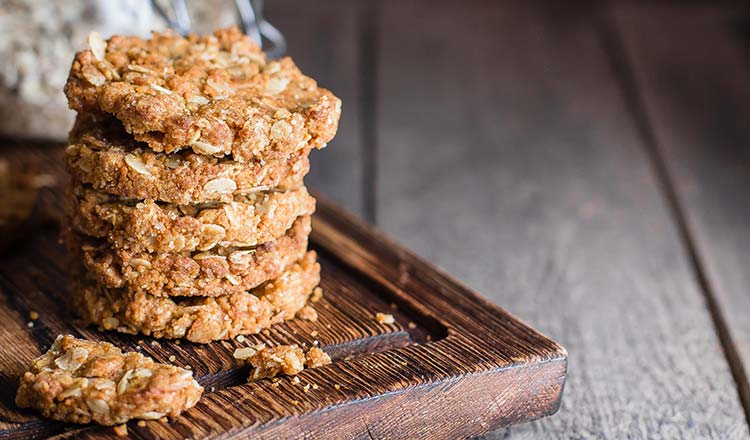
[102,155]
[198,319]
[221,271]
[147,226]
[215,94]
[83,381]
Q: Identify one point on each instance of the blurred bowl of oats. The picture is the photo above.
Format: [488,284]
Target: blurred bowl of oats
[38,39]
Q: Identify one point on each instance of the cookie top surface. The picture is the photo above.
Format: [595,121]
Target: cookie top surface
[216,94]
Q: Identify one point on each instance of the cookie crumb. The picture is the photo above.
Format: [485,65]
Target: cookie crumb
[314,333]
[240,338]
[295,380]
[245,352]
[308,314]
[385,318]
[337,386]
[121,430]
[141,423]
[411,325]
[30,324]
[33,315]
[172,358]
[317,358]
[317,294]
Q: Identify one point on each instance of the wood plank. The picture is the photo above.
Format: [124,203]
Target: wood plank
[324,40]
[450,355]
[506,155]
[693,77]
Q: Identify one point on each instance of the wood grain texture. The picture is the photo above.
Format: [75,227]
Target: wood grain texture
[506,155]
[693,81]
[450,356]
[324,40]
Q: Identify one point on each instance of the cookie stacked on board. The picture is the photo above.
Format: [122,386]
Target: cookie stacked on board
[188,215]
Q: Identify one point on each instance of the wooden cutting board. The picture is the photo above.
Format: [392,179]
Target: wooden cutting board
[452,365]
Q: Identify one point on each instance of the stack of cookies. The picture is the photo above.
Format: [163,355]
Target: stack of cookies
[188,215]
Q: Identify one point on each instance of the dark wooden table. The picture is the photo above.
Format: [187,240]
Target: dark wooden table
[587,166]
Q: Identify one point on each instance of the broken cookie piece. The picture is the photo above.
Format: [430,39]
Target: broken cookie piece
[83,381]
[308,314]
[288,360]
[316,357]
[385,318]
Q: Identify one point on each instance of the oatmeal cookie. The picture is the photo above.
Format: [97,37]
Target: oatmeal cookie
[198,319]
[215,94]
[102,155]
[147,226]
[221,271]
[82,381]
